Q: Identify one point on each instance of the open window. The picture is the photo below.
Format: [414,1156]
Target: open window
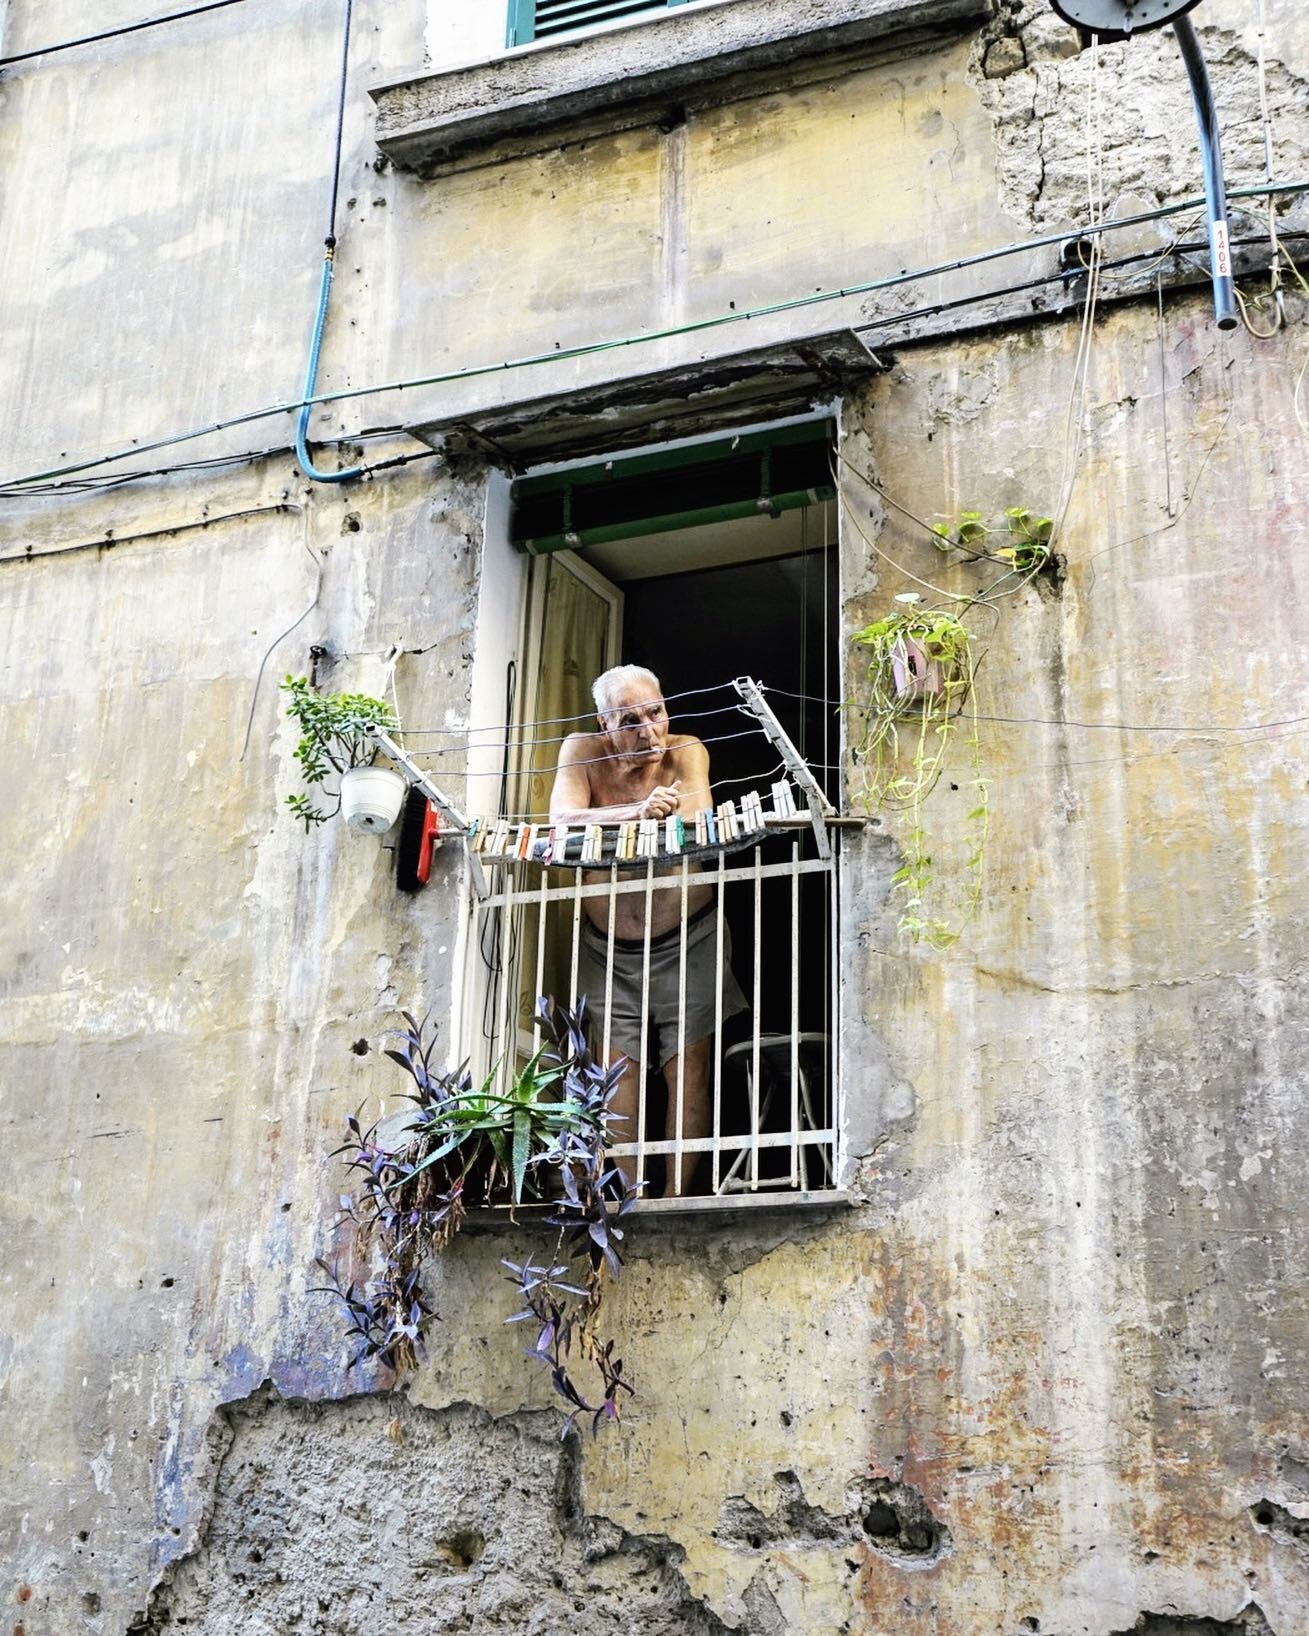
[711,566]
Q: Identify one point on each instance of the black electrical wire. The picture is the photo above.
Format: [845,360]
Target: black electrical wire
[114,33]
[219,462]
[589,349]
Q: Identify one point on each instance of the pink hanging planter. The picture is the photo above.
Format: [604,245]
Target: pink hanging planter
[915,673]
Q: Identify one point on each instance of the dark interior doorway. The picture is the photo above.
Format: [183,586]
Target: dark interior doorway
[775,620]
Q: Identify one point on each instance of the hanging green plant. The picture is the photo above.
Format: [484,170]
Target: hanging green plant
[335,746]
[1027,551]
[921,670]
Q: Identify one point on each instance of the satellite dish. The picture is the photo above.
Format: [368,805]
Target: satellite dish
[1120,19]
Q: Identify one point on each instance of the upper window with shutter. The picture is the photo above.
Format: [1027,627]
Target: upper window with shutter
[546,19]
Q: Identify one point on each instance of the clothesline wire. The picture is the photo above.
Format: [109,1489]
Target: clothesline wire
[1106,726]
[513,743]
[586,761]
[759,780]
[552,721]
[1029,773]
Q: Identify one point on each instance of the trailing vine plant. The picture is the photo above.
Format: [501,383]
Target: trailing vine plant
[544,1140]
[1027,552]
[922,669]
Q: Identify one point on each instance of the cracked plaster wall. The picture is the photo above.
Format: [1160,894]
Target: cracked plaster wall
[1047,97]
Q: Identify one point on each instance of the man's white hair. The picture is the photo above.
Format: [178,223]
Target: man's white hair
[605,687]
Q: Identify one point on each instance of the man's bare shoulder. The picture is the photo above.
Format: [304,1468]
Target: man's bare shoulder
[685,746]
[577,746]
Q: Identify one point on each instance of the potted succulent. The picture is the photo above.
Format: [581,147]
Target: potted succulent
[334,744]
[542,1140]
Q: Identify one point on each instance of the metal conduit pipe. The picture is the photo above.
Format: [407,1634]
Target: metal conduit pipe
[1215,193]
[1123,20]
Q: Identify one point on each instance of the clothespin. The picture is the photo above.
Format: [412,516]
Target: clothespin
[752,812]
[673,833]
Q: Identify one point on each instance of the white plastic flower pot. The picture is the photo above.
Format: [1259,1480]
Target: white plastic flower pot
[371,798]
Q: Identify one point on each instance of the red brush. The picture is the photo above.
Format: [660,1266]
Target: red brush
[420,835]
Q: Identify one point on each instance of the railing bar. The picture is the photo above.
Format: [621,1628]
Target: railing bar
[507,1007]
[679,1114]
[795,1177]
[645,1028]
[754,1076]
[718,1029]
[705,1144]
[577,933]
[833,1080]
[555,894]
[609,969]
[464,969]
[540,966]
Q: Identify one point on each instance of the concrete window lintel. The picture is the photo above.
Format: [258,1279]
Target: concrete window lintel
[589,84]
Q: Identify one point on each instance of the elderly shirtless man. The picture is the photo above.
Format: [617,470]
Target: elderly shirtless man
[633,767]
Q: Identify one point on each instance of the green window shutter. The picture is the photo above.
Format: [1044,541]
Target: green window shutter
[749,475]
[543,19]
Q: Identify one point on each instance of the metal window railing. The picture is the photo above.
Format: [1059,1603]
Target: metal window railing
[737,994]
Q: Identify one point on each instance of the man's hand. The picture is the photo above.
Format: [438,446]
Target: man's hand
[662,799]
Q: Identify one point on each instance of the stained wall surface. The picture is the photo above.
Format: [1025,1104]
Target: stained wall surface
[1046,1371]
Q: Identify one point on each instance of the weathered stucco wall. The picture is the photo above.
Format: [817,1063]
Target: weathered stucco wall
[185,978]
[1047,1373]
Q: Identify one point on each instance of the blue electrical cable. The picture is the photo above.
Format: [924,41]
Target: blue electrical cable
[302,455]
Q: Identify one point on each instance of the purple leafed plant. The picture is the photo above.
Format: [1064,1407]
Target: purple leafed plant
[543,1140]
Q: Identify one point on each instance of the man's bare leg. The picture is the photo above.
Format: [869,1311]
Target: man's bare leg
[696,1114]
[626,1101]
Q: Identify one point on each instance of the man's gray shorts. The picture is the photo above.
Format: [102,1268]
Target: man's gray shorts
[665,979]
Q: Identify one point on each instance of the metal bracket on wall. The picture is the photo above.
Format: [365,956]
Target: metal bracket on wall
[820,808]
[406,765]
